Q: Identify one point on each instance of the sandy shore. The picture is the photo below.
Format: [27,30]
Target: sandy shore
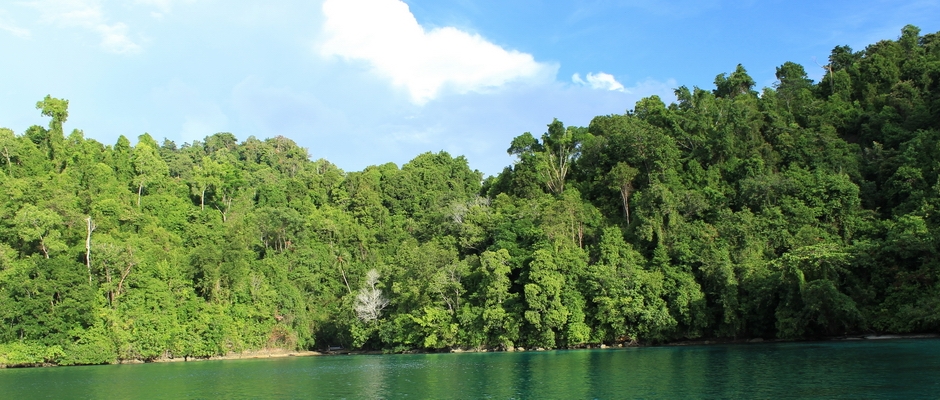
[280,353]
[267,353]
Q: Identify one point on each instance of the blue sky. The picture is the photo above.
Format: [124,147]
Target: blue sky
[364,82]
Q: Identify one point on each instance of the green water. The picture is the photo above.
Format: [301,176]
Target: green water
[863,369]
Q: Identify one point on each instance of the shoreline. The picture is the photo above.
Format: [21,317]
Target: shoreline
[896,336]
[244,355]
[284,353]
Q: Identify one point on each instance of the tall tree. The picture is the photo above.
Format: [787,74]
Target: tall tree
[58,110]
[553,156]
[206,175]
[369,301]
[149,167]
[42,224]
[621,178]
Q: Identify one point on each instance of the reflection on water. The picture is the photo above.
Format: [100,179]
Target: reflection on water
[882,369]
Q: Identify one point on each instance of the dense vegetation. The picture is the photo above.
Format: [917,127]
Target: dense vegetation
[803,210]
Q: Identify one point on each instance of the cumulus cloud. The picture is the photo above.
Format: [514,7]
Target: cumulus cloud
[87,14]
[599,80]
[386,35]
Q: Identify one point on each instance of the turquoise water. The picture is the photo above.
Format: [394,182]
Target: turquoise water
[900,369]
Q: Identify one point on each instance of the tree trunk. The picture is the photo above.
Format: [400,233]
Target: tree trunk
[90,229]
[124,274]
[107,278]
[625,194]
[227,202]
[342,271]
[42,245]
[580,235]
[6,154]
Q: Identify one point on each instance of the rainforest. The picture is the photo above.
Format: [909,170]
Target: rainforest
[799,211]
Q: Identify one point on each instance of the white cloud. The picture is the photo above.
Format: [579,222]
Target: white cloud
[7,24]
[114,38]
[87,14]
[385,34]
[599,80]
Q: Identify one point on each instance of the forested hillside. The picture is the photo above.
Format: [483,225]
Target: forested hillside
[798,211]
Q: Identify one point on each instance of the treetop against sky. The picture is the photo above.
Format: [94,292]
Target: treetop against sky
[363,82]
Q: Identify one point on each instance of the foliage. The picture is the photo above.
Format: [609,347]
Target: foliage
[802,210]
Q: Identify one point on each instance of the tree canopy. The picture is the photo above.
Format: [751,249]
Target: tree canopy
[803,210]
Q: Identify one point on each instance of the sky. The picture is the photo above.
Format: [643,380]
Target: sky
[366,82]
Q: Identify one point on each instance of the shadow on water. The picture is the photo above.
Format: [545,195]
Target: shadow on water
[882,369]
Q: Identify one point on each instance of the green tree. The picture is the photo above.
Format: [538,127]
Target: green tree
[149,167]
[737,83]
[34,223]
[58,110]
[621,179]
[553,156]
[206,175]
[545,313]
[8,148]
